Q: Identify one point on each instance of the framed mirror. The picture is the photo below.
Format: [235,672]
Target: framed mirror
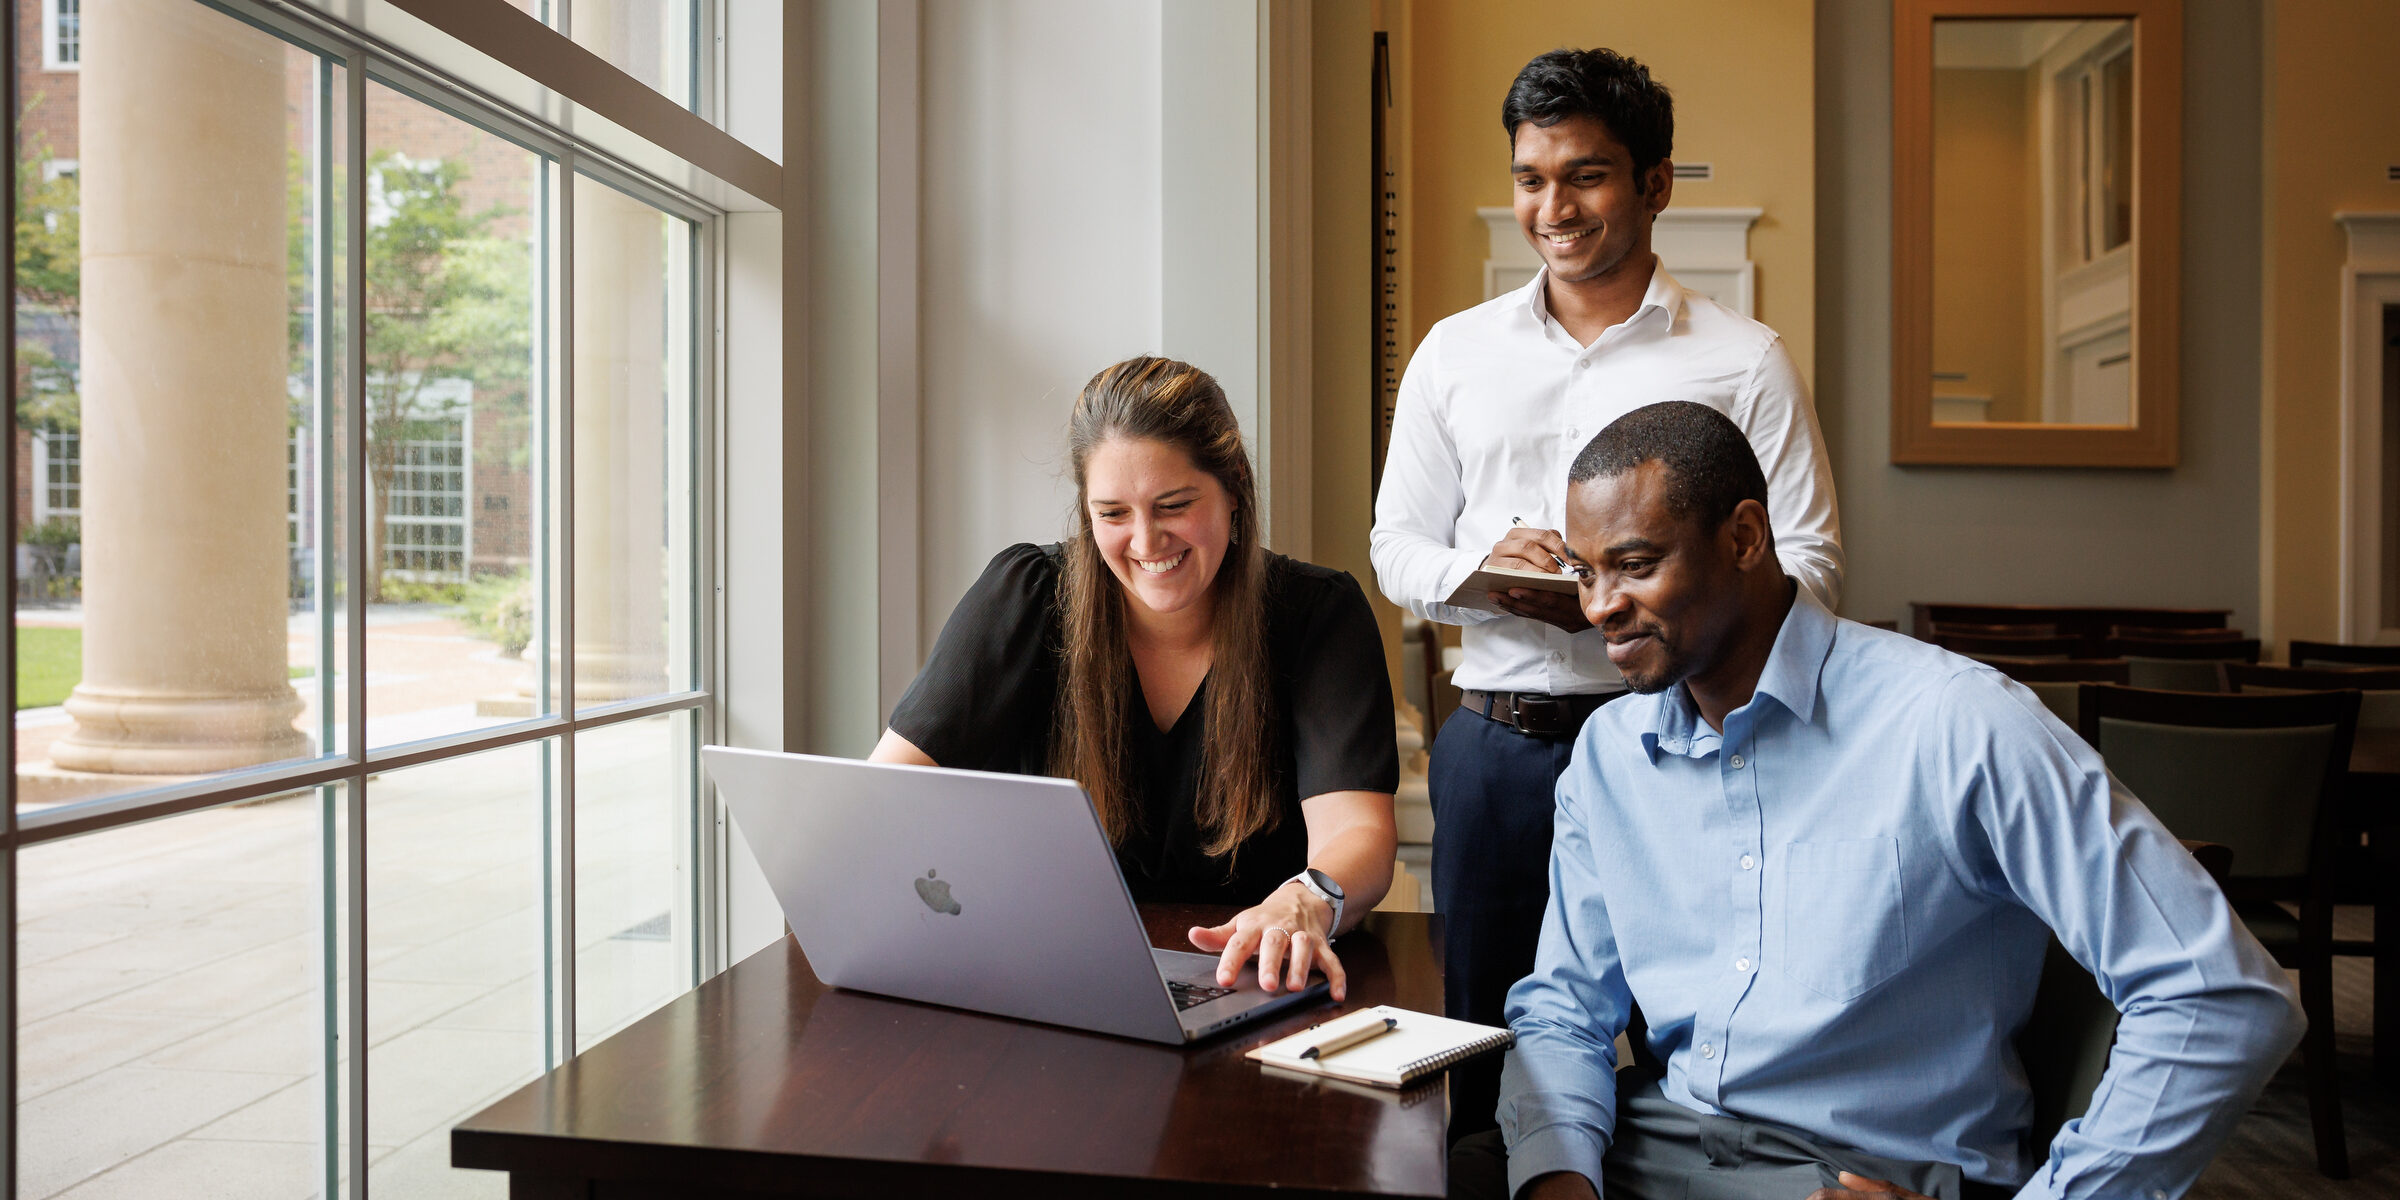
[2036,165]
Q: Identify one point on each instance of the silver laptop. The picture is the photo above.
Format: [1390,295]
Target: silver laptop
[997,893]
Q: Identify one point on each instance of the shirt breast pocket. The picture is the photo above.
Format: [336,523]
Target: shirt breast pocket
[1845,920]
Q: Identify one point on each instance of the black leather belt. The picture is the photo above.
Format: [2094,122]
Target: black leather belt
[1535,714]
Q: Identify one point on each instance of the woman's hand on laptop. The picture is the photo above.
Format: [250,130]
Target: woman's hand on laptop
[1290,932]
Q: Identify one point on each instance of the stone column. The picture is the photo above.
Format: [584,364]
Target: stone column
[620,446]
[184,363]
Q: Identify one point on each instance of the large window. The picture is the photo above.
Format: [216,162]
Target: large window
[361,652]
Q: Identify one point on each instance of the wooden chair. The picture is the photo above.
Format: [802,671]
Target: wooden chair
[2158,633]
[2073,1025]
[1981,629]
[2378,687]
[2177,665]
[1441,696]
[2336,654]
[2354,871]
[2238,770]
[2085,621]
[2057,682]
[2007,647]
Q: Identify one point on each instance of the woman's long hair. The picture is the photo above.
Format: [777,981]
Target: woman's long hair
[1177,405]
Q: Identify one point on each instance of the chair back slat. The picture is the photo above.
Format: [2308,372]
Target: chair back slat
[2056,681]
[1990,629]
[2257,773]
[2164,633]
[1978,646]
[2378,687]
[2338,654]
[2234,786]
[2181,666]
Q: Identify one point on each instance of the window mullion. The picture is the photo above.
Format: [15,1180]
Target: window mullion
[565,410]
[322,215]
[354,352]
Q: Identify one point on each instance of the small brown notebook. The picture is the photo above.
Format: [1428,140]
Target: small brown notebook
[1418,1044]
[1475,591]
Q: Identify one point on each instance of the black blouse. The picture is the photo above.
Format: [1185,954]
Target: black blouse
[985,699]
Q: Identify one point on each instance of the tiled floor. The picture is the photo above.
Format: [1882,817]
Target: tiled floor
[170,990]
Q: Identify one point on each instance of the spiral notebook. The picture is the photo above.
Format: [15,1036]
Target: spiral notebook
[1417,1045]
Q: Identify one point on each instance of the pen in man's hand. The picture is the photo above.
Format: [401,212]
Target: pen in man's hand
[1519,522]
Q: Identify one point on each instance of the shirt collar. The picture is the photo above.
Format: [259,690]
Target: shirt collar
[1790,678]
[1664,295]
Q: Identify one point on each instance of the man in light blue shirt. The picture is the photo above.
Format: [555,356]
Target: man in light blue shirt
[1825,860]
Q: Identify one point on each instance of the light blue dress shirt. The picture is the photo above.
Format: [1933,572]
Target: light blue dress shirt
[1833,915]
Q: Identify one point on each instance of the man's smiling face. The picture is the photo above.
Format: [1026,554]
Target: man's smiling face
[1576,197]
[1665,593]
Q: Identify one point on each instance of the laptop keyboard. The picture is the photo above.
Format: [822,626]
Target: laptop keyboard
[1192,995]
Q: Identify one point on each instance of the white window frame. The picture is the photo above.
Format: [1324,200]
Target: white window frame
[449,401]
[45,459]
[51,40]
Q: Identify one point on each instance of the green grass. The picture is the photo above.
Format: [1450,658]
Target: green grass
[49,664]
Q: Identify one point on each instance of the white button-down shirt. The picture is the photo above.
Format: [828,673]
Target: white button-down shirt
[1497,403]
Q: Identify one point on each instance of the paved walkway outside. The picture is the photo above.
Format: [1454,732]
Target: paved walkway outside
[170,981]
[425,675]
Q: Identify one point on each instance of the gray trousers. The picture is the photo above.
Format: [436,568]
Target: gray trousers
[1664,1151]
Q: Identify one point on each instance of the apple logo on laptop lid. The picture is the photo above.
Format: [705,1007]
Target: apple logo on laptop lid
[936,894]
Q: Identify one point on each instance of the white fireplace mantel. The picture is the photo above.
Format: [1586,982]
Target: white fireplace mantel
[2370,284]
[1707,249]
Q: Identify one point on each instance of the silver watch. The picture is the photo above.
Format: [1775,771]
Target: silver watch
[1326,889]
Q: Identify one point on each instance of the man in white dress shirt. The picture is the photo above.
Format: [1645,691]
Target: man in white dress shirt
[1495,404]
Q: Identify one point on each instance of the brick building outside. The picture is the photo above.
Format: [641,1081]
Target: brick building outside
[461,479]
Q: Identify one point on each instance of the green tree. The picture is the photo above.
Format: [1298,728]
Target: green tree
[49,259]
[447,298]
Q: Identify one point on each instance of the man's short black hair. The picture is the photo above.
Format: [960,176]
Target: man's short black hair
[1711,468]
[1596,83]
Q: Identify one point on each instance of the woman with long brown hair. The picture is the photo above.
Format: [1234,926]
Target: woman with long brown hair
[1225,707]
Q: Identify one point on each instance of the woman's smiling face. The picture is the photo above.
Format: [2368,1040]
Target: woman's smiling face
[1162,524]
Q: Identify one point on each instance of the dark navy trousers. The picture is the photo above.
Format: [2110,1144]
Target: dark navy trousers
[1493,792]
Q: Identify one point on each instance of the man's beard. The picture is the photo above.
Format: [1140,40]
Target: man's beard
[1672,671]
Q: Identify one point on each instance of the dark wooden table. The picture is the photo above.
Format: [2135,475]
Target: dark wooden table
[765,1082]
[2374,803]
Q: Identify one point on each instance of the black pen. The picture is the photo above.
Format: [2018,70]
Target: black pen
[1343,1041]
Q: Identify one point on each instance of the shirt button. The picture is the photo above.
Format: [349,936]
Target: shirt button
[1557,657]
[1570,431]
[1708,1050]
[1748,862]
[1741,964]
[1736,760]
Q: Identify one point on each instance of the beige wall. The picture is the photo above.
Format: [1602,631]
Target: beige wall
[2186,536]
[2330,132]
[1983,238]
[1740,71]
